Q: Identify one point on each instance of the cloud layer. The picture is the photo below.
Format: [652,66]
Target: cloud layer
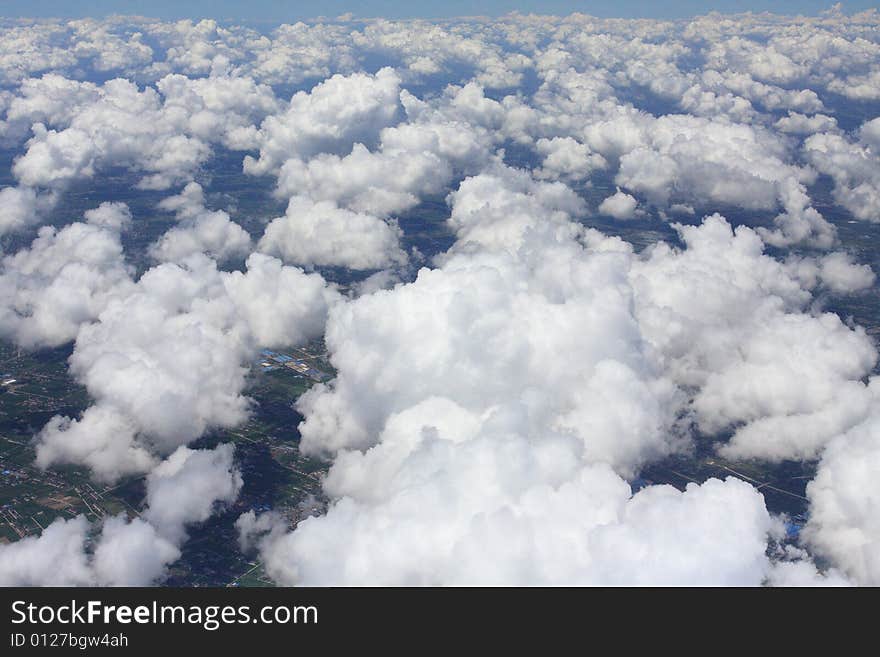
[495,397]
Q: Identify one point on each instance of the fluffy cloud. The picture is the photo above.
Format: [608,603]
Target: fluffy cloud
[185,487]
[802,572]
[413,159]
[56,557]
[416,410]
[854,167]
[219,108]
[619,205]
[431,437]
[131,553]
[843,524]
[377,183]
[587,531]
[106,49]
[65,278]
[337,113]
[837,271]
[183,490]
[154,356]
[201,231]
[500,207]
[164,132]
[51,99]
[498,297]
[280,305]
[692,159]
[21,207]
[103,438]
[33,48]
[324,234]
[733,322]
[800,124]
[565,157]
[167,361]
[124,127]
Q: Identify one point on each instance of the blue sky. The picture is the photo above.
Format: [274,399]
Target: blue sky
[286,10]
